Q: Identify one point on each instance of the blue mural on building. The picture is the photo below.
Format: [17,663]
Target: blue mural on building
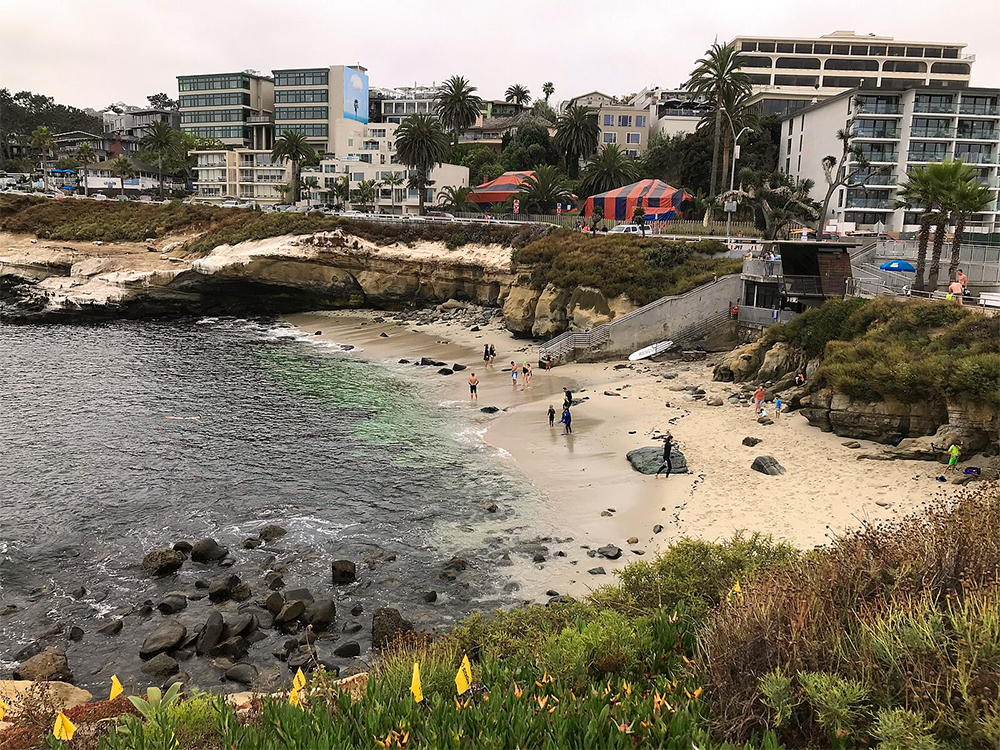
[355,95]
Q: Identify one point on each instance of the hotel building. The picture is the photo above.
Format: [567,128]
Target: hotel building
[235,108]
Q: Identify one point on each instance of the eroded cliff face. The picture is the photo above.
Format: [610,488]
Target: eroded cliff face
[327,270]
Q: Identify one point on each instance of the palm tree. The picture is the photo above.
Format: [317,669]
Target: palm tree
[122,169]
[458,106]
[422,144]
[86,156]
[577,133]
[456,199]
[294,147]
[548,89]
[949,176]
[920,191]
[717,76]
[966,199]
[42,142]
[517,94]
[162,142]
[541,191]
[342,191]
[608,169]
[392,181]
[366,193]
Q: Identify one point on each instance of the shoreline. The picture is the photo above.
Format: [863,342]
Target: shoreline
[591,493]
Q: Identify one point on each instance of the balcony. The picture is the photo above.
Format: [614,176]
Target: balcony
[763,316]
[882,157]
[978,135]
[871,133]
[926,156]
[259,119]
[932,132]
[880,204]
[978,109]
[211,164]
[881,108]
[976,158]
[762,269]
[875,179]
[947,108]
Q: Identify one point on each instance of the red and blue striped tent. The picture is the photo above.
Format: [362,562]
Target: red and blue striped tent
[660,201]
[500,189]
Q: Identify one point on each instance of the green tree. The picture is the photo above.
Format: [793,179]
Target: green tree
[122,169]
[422,144]
[921,190]
[294,147]
[86,156]
[342,191]
[608,169]
[162,142]
[517,94]
[547,90]
[366,194]
[456,200]
[718,76]
[639,218]
[967,198]
[577,133]
[949,176]
[490,172]
[392,181]
[161,101]
[529,147]
[458,106]
[776,199]
[541,191]
[42,142]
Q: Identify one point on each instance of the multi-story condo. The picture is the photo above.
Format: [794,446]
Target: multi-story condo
[671,111]
[244,174]
[328,105]
[620,123]
[124,130]
[398,103]
[791,73]
[896,130]
[235,108]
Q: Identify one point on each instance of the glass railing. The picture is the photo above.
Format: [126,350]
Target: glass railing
[975,158]
[880,108]
[932,132]
[977,135]
[978,109]
[868,203]
[875,179]
[881,156]
[939,107]
[875,133]
[926,155]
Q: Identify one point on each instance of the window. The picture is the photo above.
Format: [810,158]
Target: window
[212,83]
[756,61]
[798,168]
[896,51]
[631,153]
[310,131]
[301,77]
[609,137]
[850,64]
[922,151]
[949,68]
[791,125]
[301,113]
[760,79]
[788,165]
[633,138]
[803,63]
[748,46]
[640,121]
[789,146]
[951,52]
[904,66]
[932,52]
[780,80]
[357,176]
[624,121]
[877,50]
[765,46]
[841,82]
[786,47]
[978,105]
[973,153]
[914,51]
[803,48]
[801,135]
[609,121]
[933,103]
[220,132]
[859,49]
[215,100]
[841,49]
[301,96]
[213,115]
[821,49]
[350,142]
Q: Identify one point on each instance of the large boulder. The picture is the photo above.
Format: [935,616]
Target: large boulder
[160,666]
[169,635]
[388,625]
[321,614]
[211,633]
[519,310]
[767,465]
[344,571]
[208,550]
[47,666]
[741,364]
[271,532]
[162,562]
[648,460]
[781,359]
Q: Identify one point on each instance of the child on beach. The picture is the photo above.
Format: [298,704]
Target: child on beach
[777,406]
[513,374]
[953,452]
[567,419]
[552,416]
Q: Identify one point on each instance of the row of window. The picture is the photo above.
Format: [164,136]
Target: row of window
[624,121]
[213,83]
[407,108]
[630,138]
[889,66]
[301,78]
[215,115]
[234,99]
[237,131]
[301,113]
[301,96]
[824,48]
[310,131]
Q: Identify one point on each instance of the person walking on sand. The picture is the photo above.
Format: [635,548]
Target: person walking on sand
[473,387]
[526,373]
[548,361]
[493,354]
[665,463]
[552,416]
[953,452]
[513,375]
[758,400]
[567,419]
[777,406]
[567,398]
[486,356]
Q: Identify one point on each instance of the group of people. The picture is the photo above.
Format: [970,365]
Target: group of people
[525,375]
[489,354]
[758,402]
[567,415]
[959,288]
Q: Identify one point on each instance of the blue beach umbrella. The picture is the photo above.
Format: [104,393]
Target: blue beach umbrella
[897,265]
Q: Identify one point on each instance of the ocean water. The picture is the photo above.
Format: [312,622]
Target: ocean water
[119,438]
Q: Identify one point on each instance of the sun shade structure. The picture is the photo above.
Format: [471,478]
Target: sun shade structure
[660,201]
[898,265]
[500,189]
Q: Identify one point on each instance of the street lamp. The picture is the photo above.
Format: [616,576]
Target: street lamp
[732,176]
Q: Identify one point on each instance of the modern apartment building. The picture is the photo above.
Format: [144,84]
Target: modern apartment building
[396,104]
[791,73]
[328,105]
[125,130]
[671,111]
[245,174]
[620,123]
[897,130]
[235,108]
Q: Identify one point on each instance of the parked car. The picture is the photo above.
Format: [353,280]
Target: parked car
[231,203]
[626,229]
[99,197]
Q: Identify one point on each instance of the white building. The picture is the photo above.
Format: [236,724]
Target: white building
[244,174]
[620,123]
[328,105]
[145,177]
[791,73]
[671,111]
[897,130]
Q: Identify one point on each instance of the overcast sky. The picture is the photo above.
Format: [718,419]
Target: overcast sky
[89,53]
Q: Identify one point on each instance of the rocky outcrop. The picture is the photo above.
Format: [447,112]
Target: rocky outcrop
[742,364]
[649,460]
[881,421]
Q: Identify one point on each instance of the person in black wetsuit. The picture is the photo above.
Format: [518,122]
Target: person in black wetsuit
[667,445]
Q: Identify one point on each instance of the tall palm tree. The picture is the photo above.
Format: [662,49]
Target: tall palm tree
[456,199]
[948,176]
[716,76]
[577,134]
[42,141]
[421,144]
[392,181]
[458,106]
[366,193]
[608,169]
[541,191]
[86,156]
[966,199]
[122,169]
[294,147]
[162,141]
[920,191]
[342,191]
[517,94]
[548,90]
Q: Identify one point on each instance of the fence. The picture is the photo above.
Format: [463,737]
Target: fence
[981,263]
[763,316]
[653,228]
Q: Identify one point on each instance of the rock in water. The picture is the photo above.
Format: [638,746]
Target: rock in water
[244,674]
[162,562]
[210,633]
[290,611]
[349,649]
[208,550]
[648,460]
[271,532]
[160,666]
[112,628]
[387,625]
[489,409]
[169,635]
[321,614]
[344,571]
[767,465]
[457,367]
[233,648]
[446,371]
[751,441]
[172,603]
[49,665]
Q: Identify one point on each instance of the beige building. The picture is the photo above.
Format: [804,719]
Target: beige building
[235,108]
[328,105]
[620,123]
[243,174]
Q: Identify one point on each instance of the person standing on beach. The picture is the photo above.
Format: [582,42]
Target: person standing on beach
[513,374]
[953,452]
[486,356]
[526,372]
[567,398]
[548,361]
[567,419]
[552,416]
[777,406]
[665,463]
[473,387]
[493,354]
[758,400]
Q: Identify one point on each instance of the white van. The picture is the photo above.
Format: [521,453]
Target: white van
[626,229]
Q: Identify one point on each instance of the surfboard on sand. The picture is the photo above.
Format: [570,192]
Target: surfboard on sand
[652,350]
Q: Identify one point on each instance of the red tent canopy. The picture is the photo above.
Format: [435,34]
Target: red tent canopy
[660,201]
[500,189]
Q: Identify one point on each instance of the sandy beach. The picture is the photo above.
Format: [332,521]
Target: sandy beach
[592,494]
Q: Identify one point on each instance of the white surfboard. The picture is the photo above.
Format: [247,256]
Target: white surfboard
[652,350]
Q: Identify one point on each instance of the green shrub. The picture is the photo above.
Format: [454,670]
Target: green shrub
[711,246]
[899,729]
[838,703]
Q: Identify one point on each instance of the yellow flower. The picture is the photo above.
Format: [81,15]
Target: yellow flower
[517,691]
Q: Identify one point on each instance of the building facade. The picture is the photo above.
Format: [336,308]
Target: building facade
[621,124]
[235,108]
[329,106]
[125,130]
[897,130]
[671,111]
[789,74]
[243,174]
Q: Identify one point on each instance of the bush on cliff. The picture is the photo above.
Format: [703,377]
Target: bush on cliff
[643,269]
